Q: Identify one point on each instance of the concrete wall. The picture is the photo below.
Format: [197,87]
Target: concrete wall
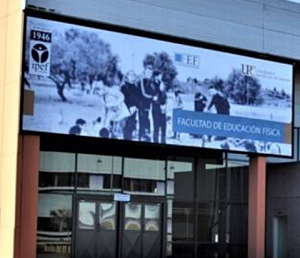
[10,64]
[266,26]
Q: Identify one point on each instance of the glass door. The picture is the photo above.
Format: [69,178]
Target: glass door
[132,230]
[152,230]
[142,230]
[96,229]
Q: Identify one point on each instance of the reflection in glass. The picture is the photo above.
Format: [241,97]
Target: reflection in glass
[107,216]
[152,215]
[54,227]
[144,186]
[133,212]
[56,181]
[57,171]
[144,169]
[57,162]
[99,164]
[92,182]
[87,211]
[143,176]
[99,173]
[180,190]
[180,179]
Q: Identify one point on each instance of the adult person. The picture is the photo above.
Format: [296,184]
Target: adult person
[221,104]
[112,102]
[177,105]
[147,91]
[159,108]
[219,101]
[131,95]
[200,100]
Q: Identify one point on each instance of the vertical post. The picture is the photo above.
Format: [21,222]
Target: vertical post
[11,31]
[257,202]
[27,197]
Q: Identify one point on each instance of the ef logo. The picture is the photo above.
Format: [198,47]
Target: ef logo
[248,70]
[40,53]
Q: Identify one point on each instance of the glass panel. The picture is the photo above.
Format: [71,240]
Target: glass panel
[181,211]
[107,216]
[133,213]
[99,164]
[56,171]
[236,213]
[99,173]
[87,213]
[211,180]
[144,169]
[147,187]
[54,227]
[57,162]
[56,181]
[212,196]
[180,179]
[207,221]
[183,221]
[152,217]
[143,176]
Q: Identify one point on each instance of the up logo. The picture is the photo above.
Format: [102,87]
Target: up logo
[248,70]
[40,53]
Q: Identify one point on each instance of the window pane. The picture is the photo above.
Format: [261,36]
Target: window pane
[99,173]
[87,213]
[140,186]
[144,169]
[56,171]
[180,179]
[152,217]
[181,212]
[56,181]
[57,162]
[99,164]
[142,176]
[133,213]
[107,216]
[54,232]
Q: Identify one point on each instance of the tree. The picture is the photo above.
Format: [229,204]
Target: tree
[217,83]
[163,63]
[243,89]
[83,56]
[62,219]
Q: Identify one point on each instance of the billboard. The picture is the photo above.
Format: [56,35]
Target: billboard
[100,82]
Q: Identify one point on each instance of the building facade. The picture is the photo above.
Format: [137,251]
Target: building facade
[61,196]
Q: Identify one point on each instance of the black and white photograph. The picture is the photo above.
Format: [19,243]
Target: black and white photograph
[98,83]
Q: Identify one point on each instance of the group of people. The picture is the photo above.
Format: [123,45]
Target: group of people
[218,100]
[130,106]
[138,108]
[142,97]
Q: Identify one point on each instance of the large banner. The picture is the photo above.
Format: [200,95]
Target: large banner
[100,83]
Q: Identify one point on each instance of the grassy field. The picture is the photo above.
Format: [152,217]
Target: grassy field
[53,115]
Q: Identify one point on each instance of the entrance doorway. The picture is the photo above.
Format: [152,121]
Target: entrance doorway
[109,229]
